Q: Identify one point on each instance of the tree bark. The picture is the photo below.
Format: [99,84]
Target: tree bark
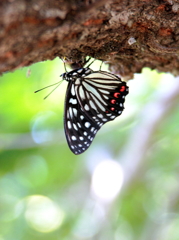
[129,35]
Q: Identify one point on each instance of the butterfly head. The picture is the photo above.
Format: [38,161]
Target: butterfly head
[64,76]
[77,73]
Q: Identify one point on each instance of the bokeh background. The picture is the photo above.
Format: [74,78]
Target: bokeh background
[124,187]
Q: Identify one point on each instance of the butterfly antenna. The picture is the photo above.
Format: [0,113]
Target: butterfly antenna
[48,86]
[53,89]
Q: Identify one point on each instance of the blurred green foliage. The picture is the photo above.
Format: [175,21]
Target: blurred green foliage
[46,191]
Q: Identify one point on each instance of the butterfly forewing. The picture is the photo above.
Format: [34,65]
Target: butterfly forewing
[80,130]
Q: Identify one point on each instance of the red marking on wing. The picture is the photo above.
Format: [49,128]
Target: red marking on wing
[123,88]
[113,101]
[116,94]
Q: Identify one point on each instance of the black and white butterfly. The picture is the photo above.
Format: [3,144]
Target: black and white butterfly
[93,98]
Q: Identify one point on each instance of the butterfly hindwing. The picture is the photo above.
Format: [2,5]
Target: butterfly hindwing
[101,95]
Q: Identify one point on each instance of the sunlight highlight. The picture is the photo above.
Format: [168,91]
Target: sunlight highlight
[107,180]
[43,214]
[40,130]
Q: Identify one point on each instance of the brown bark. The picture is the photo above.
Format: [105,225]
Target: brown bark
[129,35]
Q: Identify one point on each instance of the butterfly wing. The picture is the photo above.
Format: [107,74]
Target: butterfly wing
[91,101]
[80,129]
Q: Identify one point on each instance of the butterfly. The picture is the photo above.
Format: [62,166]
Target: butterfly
[93,98]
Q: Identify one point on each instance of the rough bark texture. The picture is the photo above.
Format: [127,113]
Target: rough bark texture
[129,35]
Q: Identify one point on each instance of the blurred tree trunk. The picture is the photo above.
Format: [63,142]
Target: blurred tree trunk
[129,35]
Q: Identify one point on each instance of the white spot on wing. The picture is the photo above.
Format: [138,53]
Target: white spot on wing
[92,129]
[87,70]
[73,138]
[70,112]
[79,125]
[69,124]
[75,111]
[73,101]
[72,90]
[77,82]
[87,124]
[100,115]
[75,127]
[86,107]
[80,70]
